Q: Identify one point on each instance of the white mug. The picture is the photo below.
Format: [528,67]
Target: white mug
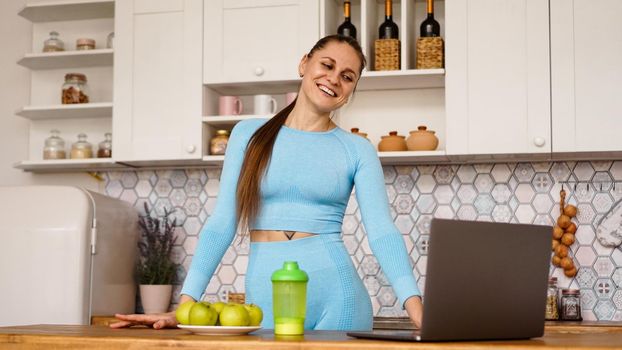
[264,104]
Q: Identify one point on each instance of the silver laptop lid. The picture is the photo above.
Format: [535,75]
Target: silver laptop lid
[485,280]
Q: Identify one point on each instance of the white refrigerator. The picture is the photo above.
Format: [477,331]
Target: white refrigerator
[66,254]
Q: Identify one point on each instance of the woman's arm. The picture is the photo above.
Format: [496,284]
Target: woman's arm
[384,238]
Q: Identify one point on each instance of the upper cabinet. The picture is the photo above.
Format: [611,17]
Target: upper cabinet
[497,80]
[157,85]
[586,71]
[249,41]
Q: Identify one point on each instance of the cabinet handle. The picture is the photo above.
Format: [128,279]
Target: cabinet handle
[191,148]
[259,71]
[539,141]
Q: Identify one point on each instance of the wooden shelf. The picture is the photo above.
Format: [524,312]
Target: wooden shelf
[79,110]
[227,120]
[68,165]
[68,10]
[370,80]
[67,59]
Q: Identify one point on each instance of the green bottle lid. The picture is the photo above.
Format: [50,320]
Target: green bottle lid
[290,273]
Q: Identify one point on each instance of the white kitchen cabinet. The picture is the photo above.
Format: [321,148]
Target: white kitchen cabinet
[497,77]
[157,80]
[586,71]
[259,40]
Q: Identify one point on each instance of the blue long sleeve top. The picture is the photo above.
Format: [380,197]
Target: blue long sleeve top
[306,188]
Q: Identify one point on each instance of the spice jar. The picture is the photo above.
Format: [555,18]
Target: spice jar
[53,43]
[110,41]
[571,305]
[75,89]
[105,147]
[85,44]
[552,308]
[54,146]
[392,142]
[357,132]
[81,149]
[218,144]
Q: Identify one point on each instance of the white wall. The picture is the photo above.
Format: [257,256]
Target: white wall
[14,93]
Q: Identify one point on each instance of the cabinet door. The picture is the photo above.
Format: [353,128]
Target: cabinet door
[497,77]
[586,67]
[257,40]
[157,80]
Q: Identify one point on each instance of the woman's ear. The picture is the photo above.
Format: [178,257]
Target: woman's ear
[302,65]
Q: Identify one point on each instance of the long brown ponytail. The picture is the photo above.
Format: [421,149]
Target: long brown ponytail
[259,150]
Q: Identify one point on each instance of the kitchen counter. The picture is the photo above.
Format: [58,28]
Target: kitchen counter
[99,337]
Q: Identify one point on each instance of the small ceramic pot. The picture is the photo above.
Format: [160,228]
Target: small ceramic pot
[356,131]
[392,142]
[155,298]
[422,140]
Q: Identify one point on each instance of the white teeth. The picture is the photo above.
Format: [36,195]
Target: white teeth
[327,90]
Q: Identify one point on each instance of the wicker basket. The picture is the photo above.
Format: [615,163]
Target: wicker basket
[430,53]
[387,54]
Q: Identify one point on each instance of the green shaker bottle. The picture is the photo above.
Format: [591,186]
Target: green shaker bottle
[289,299]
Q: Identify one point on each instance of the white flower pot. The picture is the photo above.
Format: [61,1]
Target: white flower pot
[155,297]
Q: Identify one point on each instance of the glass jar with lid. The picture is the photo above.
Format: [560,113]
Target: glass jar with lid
[75,89]
[81,149]
[105,147]
[571,305]
[53,43]
[552,308]
[54,147]
[218,144]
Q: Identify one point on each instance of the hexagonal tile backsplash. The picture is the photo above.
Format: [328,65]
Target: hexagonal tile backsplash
[519,193]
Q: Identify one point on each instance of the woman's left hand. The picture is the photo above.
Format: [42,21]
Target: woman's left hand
[414,308]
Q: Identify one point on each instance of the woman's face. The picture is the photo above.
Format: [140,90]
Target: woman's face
[329,76]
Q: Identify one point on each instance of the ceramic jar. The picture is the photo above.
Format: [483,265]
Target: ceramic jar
[422,140]
[356,131]
[392,142]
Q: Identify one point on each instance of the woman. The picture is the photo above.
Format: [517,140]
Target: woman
[288,181]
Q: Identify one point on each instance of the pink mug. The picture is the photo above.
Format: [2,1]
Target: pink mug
[230,105]
[290,97]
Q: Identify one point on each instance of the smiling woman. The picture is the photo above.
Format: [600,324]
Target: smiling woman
[286,182]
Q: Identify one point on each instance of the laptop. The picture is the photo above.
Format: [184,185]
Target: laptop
[484,281]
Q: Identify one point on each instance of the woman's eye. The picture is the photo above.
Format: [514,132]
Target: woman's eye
[346,77]
[327,65]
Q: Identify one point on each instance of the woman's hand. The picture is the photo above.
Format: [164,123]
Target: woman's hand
[157,321]
[414,308]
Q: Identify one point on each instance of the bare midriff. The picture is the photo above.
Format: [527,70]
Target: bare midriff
[277,235]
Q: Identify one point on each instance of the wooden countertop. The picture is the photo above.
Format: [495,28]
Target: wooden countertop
[100,337]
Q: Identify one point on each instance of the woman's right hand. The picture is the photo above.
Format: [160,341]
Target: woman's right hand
[157,321]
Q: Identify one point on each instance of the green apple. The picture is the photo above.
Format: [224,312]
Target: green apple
[202,315]
[183,312]
[255,314]
[234,315]
[218,306]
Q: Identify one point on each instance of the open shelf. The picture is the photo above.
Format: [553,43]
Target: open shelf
[67,59]
[213,160]
[68,10]
[228,120]
[66,165]
[78,110]
[409,157]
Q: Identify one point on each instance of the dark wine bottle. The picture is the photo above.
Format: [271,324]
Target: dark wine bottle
[347,28]
[388,29]
[430,27]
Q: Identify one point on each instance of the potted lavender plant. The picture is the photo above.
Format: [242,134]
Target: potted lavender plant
[155,269]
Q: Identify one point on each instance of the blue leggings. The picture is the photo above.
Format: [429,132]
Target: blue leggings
[336,296]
